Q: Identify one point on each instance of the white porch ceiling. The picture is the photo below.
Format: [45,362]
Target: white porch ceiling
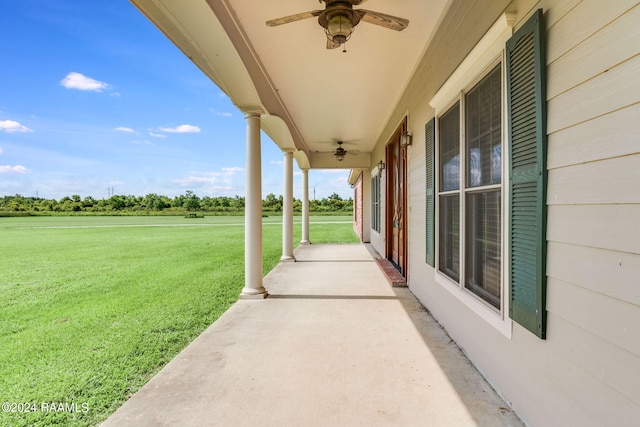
[311,97]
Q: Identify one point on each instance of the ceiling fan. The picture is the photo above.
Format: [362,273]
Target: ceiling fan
[339,19]
[340,152]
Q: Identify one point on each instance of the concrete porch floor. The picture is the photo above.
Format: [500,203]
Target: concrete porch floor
[333,345]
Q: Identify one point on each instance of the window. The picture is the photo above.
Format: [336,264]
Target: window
[356,203]
[375,202]
[483,195]
[470,189]
[449,195]
[490,229]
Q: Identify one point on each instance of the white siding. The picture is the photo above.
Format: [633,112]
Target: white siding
[604,137]
[613,90]
[590,182]
[611,273]
[616,43]
[587,371]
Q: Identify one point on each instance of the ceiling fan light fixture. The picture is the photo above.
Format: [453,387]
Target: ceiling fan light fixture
[340,152]
[339,29]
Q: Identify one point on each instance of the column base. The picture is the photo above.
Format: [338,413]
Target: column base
[249,293]
[287,258]
[305,242]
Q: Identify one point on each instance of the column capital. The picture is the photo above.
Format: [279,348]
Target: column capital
[252,114]
[252,111]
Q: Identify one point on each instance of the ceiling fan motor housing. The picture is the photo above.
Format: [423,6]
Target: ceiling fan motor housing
[338,20]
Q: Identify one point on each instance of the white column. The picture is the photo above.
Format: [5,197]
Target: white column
[287,209]
[305,207]
[253,213]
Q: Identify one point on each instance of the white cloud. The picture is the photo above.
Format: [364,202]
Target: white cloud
[157,135]
[13,169]
[78,81]
[125,129]
[198,181]
[339,182]
[11,126]
[221,113]
[201,179]
[0,150]
[181,129]
[142,142]
[277,162]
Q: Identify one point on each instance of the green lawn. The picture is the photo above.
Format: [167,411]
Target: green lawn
[92,307]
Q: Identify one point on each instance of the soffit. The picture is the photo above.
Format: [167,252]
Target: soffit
[313,96]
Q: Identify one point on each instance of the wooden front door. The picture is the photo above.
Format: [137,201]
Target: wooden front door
[396,202]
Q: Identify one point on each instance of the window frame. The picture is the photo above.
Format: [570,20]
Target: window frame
[484,57]
[376,208]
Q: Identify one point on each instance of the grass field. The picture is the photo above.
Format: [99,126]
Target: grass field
[92,307]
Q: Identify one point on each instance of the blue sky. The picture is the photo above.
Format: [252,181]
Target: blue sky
[93,96]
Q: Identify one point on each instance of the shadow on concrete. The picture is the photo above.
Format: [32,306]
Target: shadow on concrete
[333,345]
[336,297]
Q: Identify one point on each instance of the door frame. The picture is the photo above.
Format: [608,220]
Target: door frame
[389,202]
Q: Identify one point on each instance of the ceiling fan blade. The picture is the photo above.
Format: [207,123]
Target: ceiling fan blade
[293,18]
[383,20]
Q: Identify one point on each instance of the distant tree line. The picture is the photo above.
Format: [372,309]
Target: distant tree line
[154,203]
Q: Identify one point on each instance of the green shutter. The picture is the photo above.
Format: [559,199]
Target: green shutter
[526,98]
[430,138]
